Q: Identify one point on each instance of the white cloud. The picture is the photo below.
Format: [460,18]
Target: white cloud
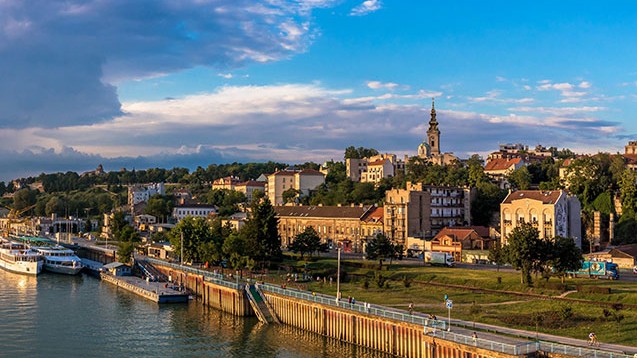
[90,45]
[584,84]
[225,75]
[366,7]
[384,85]
[494,97]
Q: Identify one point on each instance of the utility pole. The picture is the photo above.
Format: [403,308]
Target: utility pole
[338,274]
[182,248]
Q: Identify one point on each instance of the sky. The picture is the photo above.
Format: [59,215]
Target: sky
[197,82]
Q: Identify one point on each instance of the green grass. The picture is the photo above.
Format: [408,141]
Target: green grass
[428,285]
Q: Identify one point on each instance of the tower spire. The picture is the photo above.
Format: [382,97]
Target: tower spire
[433,123]
[433,134]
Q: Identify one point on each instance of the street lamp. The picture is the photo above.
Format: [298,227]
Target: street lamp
[181,257]
[338,273]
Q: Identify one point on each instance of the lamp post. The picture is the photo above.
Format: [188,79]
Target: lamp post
[338,274]
[181,257]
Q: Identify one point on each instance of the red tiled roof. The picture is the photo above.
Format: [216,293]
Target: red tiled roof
[458,233]
[375,215]
[377,162]
[284,172]
[252,183]
[501,164]
[546,197]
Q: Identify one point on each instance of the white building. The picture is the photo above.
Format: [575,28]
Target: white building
[141,193]
[194,210]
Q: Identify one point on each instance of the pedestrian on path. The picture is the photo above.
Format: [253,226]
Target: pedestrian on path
[474,336]
[411,308]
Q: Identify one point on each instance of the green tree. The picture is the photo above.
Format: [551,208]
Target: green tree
[307,242]
[261,230]
[290,195]
[486,203]
[628,192]
[352,152]
[159,206]
[24,198]
[380,248]
[520,178]
[564,255]
[523,251]
[196,234]
[497,255]
[117,224]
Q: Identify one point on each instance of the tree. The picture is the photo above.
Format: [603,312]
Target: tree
[117,224]
[628,192]
[261,230]
[523,251]
[564,255]
[24,198]
[520,178]
[380,248]
[159,206]
[289,195]
[352,152]
[307,242]
[486,203]
[196,234]
[497,255]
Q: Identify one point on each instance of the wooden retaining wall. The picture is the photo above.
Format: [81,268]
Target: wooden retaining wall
[400,339]
[220,297]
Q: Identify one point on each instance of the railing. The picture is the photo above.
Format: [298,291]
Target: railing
[216,278]
[558,348]
[430,326]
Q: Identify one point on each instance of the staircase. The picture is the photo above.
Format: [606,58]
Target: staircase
[260,305]
[150,271]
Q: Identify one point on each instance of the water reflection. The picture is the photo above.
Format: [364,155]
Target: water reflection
[58,315]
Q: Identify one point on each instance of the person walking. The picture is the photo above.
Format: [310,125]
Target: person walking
[592,339]
[474,337]
[411,308]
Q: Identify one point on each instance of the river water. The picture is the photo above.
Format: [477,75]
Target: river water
[79,316]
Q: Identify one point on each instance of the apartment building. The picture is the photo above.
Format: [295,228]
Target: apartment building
[301,180]
[553,213]
[407,213]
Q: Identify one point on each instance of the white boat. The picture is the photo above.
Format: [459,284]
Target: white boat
[17,257]
[59,259]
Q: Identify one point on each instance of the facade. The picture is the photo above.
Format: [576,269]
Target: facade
[553,213]
[335,225]
[456,239]
[498,169]
[450,206]
[303,181]
[430,148]
[227,183]
[630,155]
[236,220]
[141,193]
[407,213]
[249,187]
[194,210]
[359,170]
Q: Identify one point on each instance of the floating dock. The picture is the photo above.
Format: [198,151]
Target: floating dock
[159,292]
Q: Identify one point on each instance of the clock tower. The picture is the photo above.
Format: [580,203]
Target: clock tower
[433,134]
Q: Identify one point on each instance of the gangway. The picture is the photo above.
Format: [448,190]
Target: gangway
[259,303]
[150,271]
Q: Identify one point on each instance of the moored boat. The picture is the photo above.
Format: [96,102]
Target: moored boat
[17,257]
[59,259]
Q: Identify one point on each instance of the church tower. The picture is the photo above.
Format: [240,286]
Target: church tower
[433,134]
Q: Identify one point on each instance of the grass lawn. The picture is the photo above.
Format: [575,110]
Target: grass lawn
[473,301]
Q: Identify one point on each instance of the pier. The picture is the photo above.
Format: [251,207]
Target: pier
[376,327]
[159,292]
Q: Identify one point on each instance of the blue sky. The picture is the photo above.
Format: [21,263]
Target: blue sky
[188,83]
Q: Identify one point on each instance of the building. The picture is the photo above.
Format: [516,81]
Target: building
[236,220]
[553,213]
[450,206]
[141,193]
[499,168]
[117,269]
[372,223]
[335,225]
[454,240]
[407,212]
[625,256]
[249,187]
[227,183]
[194,210]
[630,155]
[518,150]
[303,181]
[430,148]
[374,168]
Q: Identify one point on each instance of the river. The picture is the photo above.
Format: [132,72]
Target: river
[79,316]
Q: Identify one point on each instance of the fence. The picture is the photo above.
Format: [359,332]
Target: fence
[432,327]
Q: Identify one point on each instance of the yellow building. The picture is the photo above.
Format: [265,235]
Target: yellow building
[553,213]
[407,213]
[301,180]
[335,225]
